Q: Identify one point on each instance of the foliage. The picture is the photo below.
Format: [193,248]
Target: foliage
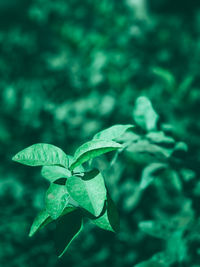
[72,68]
[79,190]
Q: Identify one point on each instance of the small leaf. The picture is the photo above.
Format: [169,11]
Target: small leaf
[89,191]
[110,218]
[52,173]
[42,154]
[144,114]
[113,132]
[150,173]
[56,200]
[145,152]
[160,138]
[40,221]
[43,218]
[67,229]
[91,150]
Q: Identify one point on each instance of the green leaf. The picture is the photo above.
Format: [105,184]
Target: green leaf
[40,221]
[67,229]
[110,218]
[56,200]
[78,169]
[144,114]
[52,173]
[42,154]
[89,191]
[113,132]
[43,218]
[160,138]
[145,152]
[91,150]
[150,173]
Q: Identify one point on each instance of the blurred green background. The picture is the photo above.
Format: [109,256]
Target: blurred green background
[69,69]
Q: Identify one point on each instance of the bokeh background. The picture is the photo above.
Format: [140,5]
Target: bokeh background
[69,69]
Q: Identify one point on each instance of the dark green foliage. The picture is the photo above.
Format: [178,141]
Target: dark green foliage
[70,69]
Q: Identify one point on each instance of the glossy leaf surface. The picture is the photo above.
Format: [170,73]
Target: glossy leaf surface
[91,150]
[89,191]
[42,154]
[56,200]
[52,173]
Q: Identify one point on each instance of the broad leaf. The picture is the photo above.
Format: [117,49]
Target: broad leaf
[56,200]
[110,218]
[89,191]
[67,229]
[43,218]
[91,150]
[144,114]
[113,132]
[42,154]
[52,173]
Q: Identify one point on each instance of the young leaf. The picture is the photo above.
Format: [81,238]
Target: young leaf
[52,173]
[42,154]
[91,150]
[110,218]
[144,114]
[43,218]
[89,191]
[56,200]
[113,132]
[67,229]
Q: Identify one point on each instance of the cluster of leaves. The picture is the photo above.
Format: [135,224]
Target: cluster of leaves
[72,187]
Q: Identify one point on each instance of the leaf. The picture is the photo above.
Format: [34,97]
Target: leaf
[43,218]
[56,200]
[145,152]
[89,191]
[113,132]
[150,173]
[52,173]
[42,154]
[67,229]
[78,169]
[144,114]
[110,218]
[160,138]
[40,221]
[91,150]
